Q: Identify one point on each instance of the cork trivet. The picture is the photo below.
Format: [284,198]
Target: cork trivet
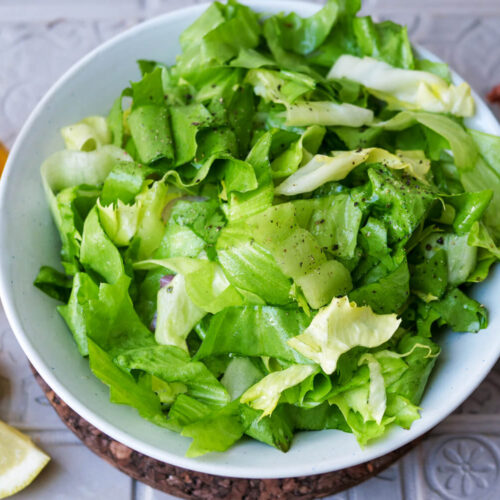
[196,485]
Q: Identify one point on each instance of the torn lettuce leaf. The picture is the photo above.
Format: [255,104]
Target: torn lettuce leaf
[54,283]
[177,314]
[463,147]
[303,35]
[254,331]
[327,113]
[205,282]
[486,175]
[322,169]
[123,388]
[265,394]
[339,327]
[87,135]
[171,364]
[385,41]
[405,88]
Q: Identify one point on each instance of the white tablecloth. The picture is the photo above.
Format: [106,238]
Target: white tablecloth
[39,40]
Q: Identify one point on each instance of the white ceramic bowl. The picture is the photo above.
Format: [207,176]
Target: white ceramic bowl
[28,239]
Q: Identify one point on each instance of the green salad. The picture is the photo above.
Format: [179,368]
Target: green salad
[269,235]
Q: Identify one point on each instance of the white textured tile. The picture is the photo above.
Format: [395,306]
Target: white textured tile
[34,55]
[48,10]
[461,466]
[431,7]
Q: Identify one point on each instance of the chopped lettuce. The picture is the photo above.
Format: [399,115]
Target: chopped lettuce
[268,235]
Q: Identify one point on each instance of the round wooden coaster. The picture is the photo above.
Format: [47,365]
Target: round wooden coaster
[196,485]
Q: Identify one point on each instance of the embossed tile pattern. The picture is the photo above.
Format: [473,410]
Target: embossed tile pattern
[38,42]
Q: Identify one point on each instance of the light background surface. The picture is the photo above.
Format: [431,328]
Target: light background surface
[40,40]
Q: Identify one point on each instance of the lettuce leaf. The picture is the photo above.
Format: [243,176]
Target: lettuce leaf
[104,313]
[87,135]
[240,374]
[275,429]
[341,39]
[323,416]
[298,153]
[142,219]
[54,283]
[186,122]
[303,35]
[385,41]
[405,88]
[460,312]
[400,201]
[486,175]
[265,394]
[327,113]
[460,256]
[72,205]
[387,294]
[241,205]
[377,400]
[123,388]
[97,252]
[206,284]
[251,267]
[282,87]
[322,169]
[420,356]
[333,220]
[339,327]
[177,314]
[463,147]
[217,36]
[298,253]
[254,331]
[172,364]
[216,432]
[479,236]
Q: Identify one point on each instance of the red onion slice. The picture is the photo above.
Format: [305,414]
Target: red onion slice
[165,280]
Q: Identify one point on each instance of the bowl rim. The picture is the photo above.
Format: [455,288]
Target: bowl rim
[100,422]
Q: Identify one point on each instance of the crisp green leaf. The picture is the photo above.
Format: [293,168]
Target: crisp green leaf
[404,88]
[339,327]
[254,331]
[54,283]
[265,394]
[172,364]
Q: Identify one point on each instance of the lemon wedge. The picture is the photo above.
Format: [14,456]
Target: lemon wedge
[20,460]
